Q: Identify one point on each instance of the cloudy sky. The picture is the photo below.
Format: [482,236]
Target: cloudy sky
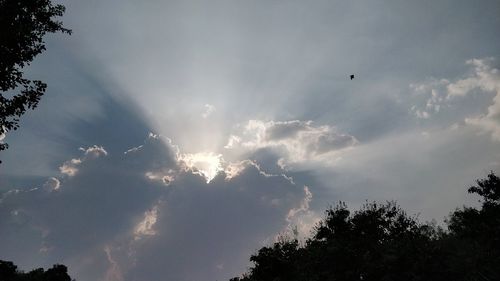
[178,137]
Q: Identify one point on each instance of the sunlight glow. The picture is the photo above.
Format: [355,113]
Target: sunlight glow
[145,227]
[207,164]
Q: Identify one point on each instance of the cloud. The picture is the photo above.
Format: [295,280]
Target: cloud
[146,226]
[52,184]
[487,79]
[94,151]
[70,167]
[165,177]
[203,225]
[150,229]
[437,98]
[209,109]
[302,219]
[484,76]
[114,271]
[483,79]
[207,164]
[296,141]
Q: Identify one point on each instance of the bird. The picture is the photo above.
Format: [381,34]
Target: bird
[352,76]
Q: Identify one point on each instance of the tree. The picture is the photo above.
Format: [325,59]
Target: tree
[9,272]
[381,242]
[23,24]
[473,241]
[488,188]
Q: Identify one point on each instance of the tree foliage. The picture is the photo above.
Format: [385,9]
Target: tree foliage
[382,242]
[23,24]
[9,272]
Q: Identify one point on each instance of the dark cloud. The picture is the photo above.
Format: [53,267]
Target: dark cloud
[110,215]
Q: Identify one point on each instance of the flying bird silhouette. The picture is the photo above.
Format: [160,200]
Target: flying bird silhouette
[352,76]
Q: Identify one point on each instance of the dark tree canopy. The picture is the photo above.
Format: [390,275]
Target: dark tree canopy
[488,188]
[23,25]
[9,272]
[381,242]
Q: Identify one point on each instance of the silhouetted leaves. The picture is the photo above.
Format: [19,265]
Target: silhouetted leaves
[474,235]
[9,272]
[23,25]
[488,188]
[381,242]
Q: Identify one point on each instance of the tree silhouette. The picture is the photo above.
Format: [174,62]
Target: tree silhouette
[9,272]
[381,242]
[23,25]
[473,241]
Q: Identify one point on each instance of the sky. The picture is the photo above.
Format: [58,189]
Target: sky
[176,138]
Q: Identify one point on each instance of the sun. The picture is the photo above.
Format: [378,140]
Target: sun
[207,164]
